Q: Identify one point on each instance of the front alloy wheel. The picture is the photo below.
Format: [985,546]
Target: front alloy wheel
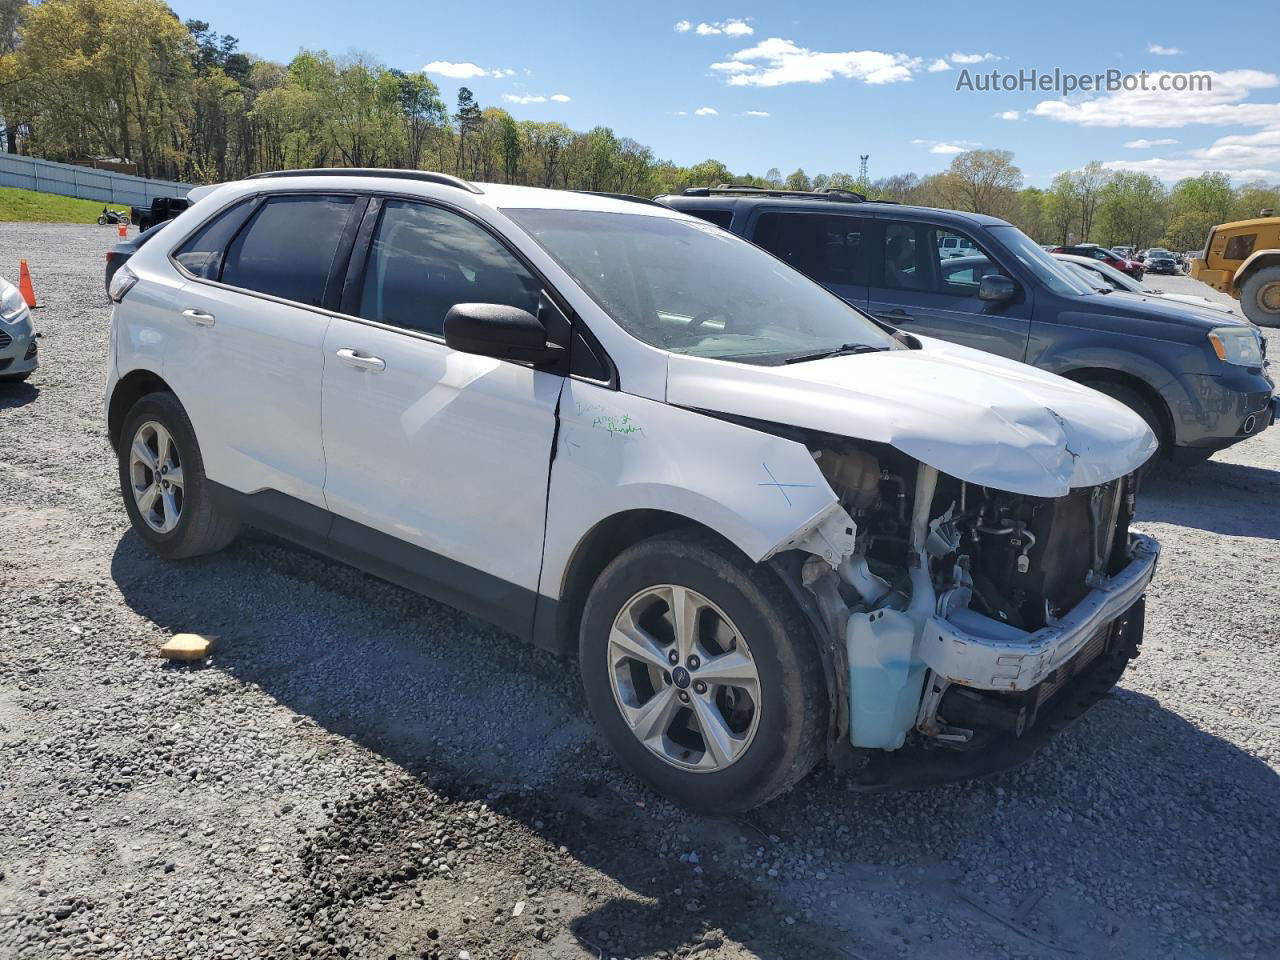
[702,672]
[684,678]
[155,475]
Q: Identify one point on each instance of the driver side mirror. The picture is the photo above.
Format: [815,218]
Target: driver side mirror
[995,288]
[499,331]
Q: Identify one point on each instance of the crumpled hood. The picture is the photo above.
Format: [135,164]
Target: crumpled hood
[973,415]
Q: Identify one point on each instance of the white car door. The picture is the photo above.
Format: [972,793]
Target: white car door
[249,368]
[437,460]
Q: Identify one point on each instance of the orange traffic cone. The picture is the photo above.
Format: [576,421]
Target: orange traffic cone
[124,231]
[24,285]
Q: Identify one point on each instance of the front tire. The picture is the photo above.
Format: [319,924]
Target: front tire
[166,494]
[1260,297]
[1139,404]
[702,673]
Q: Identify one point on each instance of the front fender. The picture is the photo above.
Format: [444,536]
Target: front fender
[1257,260]
[616,453]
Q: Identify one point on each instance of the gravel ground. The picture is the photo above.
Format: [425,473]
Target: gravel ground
[360,772]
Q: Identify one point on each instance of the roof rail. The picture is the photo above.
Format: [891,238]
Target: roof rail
[621,196]
[830,193]
[426,176]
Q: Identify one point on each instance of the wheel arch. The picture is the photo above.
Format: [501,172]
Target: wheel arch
[558,621]
[1257,261]
[1087,375]
[131,388]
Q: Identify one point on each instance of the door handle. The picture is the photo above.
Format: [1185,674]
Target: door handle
[199,318]
[361,361]
[896,316]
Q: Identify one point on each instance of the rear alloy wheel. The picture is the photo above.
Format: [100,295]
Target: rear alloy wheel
[1260,297]
[703,673]
[155,475]
[166,494]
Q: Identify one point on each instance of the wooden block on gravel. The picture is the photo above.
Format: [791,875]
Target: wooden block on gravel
[186,646]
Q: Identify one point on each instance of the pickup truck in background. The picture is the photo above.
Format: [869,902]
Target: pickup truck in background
[161,209]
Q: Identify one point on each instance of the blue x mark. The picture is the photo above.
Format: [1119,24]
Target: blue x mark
[782,487]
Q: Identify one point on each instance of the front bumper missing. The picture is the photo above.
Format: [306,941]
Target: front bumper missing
[979,652]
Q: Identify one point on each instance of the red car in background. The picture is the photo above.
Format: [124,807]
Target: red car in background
[1092,250]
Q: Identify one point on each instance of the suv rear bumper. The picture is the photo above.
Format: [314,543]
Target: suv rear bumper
[985,654]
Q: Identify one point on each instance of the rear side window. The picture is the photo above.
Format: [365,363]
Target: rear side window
[287,249]
[423,260]
[827,247]
[204,251]
[721,218]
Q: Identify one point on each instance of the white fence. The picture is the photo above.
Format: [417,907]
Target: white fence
[86,183]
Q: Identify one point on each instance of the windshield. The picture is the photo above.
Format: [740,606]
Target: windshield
[1052,273]
[1089,277]
[691,287]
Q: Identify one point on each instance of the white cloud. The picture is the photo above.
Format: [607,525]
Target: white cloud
[465,70]
[1144,144]
[707,112]
[682,113]
[1160,51]
[683,26]
[733,66]
[945,147]
[776,62]
[938,66]
[1244,156]
[1221,105]
[1008,115]
[973,57]
[733,27]
[756,113]
[534,98]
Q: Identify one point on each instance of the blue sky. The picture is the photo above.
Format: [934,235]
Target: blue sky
[817,84]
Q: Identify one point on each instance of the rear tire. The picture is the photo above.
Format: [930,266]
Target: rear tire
[162,479]
[1260,297]
[767,722]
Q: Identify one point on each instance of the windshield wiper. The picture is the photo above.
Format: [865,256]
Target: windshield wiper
[846,348]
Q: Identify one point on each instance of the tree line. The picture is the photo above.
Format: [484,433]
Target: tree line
[127,79]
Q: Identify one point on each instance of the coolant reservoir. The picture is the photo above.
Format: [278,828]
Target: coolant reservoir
[884,679]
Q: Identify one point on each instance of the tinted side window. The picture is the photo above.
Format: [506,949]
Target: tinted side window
[423,260]
[721,218]
[826,247]
[934,260]
[288,247]
[203,252]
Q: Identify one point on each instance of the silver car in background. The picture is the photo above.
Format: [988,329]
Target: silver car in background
[17,336]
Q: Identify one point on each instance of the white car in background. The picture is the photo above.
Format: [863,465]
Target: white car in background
[772,528]
[1106,277]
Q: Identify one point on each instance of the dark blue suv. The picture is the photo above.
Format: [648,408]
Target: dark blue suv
[1198,377]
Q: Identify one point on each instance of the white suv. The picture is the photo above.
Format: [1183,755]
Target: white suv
[772,528]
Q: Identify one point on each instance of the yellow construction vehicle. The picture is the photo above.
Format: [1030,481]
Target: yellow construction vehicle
[1242,259]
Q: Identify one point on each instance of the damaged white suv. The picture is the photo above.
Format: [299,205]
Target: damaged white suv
[773,529]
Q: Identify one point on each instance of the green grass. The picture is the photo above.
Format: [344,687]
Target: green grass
[29,206]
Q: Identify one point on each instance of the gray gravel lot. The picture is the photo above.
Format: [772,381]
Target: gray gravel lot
[360,772]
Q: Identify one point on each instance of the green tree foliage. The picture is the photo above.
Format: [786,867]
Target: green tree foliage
[1132,209]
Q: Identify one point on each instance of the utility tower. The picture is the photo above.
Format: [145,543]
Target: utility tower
[862,168]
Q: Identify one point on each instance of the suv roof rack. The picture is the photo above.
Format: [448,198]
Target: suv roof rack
[631,197]
[426,176]
[830,193]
